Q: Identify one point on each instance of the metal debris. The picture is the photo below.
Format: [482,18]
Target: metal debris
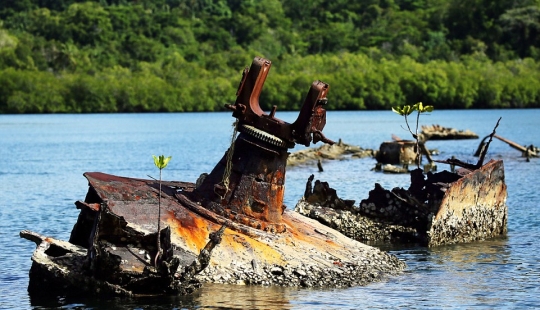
[438,132]
[437,208]
[444,208]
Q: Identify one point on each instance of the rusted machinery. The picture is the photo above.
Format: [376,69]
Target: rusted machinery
[249,189]
[263,244]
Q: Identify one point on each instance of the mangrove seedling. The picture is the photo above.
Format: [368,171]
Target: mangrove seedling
[160,162]
[406,111]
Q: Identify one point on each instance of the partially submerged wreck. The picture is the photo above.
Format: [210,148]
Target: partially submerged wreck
[263,243]
[336,151]
[437,208]
[438,132]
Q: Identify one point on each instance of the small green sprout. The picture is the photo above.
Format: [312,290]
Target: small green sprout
[161,162]
[405,111]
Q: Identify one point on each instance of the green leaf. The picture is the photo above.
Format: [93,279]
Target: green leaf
[403,111]
[397,110]
[161,162]
[428,108]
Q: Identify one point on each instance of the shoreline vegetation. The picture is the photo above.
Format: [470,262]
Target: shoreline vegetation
[107,56]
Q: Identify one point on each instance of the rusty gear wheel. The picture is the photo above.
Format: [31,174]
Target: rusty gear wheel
[263,136]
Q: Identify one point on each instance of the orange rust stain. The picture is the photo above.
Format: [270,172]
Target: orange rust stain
[235,242]
[138,269]
[297,234]
[238,243]
[303,232]
[291,227]
[192,229]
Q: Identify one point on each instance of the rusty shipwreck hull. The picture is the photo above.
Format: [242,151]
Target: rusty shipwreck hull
[107,256]
[472,208]
[443,208]
[304,253]
[236,212]
[264,243]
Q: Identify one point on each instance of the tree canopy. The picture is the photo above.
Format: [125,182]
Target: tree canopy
[186,55]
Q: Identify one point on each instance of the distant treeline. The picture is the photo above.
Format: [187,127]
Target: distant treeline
[187,55]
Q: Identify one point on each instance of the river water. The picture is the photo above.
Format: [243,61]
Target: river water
[43,157]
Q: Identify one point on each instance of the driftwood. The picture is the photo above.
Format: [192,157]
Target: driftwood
[482,154]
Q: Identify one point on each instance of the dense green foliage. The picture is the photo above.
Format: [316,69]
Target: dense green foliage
[187,55]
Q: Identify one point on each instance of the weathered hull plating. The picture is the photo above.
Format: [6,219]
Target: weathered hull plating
[473,208]
[446,208]
[307,253]
[263,242]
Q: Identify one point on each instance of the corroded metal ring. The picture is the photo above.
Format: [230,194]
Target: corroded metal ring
[263,136]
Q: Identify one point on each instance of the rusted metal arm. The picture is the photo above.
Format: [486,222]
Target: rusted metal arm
[312,117]
[307,127]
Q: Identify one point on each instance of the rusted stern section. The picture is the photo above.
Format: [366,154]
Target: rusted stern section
[439,208]
[473,208]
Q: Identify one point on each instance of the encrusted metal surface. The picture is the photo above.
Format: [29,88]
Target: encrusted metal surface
[473,207]
[443,209]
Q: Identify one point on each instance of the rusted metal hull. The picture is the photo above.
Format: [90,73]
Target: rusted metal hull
[444,209]
[109,267]
[473,208]
[306,253]
[263,242]
[112,252]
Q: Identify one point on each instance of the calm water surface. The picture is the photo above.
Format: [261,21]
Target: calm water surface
[43,157]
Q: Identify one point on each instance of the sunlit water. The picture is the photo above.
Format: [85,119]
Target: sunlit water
[43,157]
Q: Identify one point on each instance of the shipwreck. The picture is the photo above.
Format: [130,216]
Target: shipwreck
[230,226]
[462,205]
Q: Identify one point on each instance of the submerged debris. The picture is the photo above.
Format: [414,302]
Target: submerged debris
[337,151]
[398,155]
[438,132]
[401,152]
[117,262]
[444,208]
[437,208]
[526,151]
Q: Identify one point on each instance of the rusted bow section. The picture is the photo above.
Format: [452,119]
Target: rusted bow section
[247,185]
